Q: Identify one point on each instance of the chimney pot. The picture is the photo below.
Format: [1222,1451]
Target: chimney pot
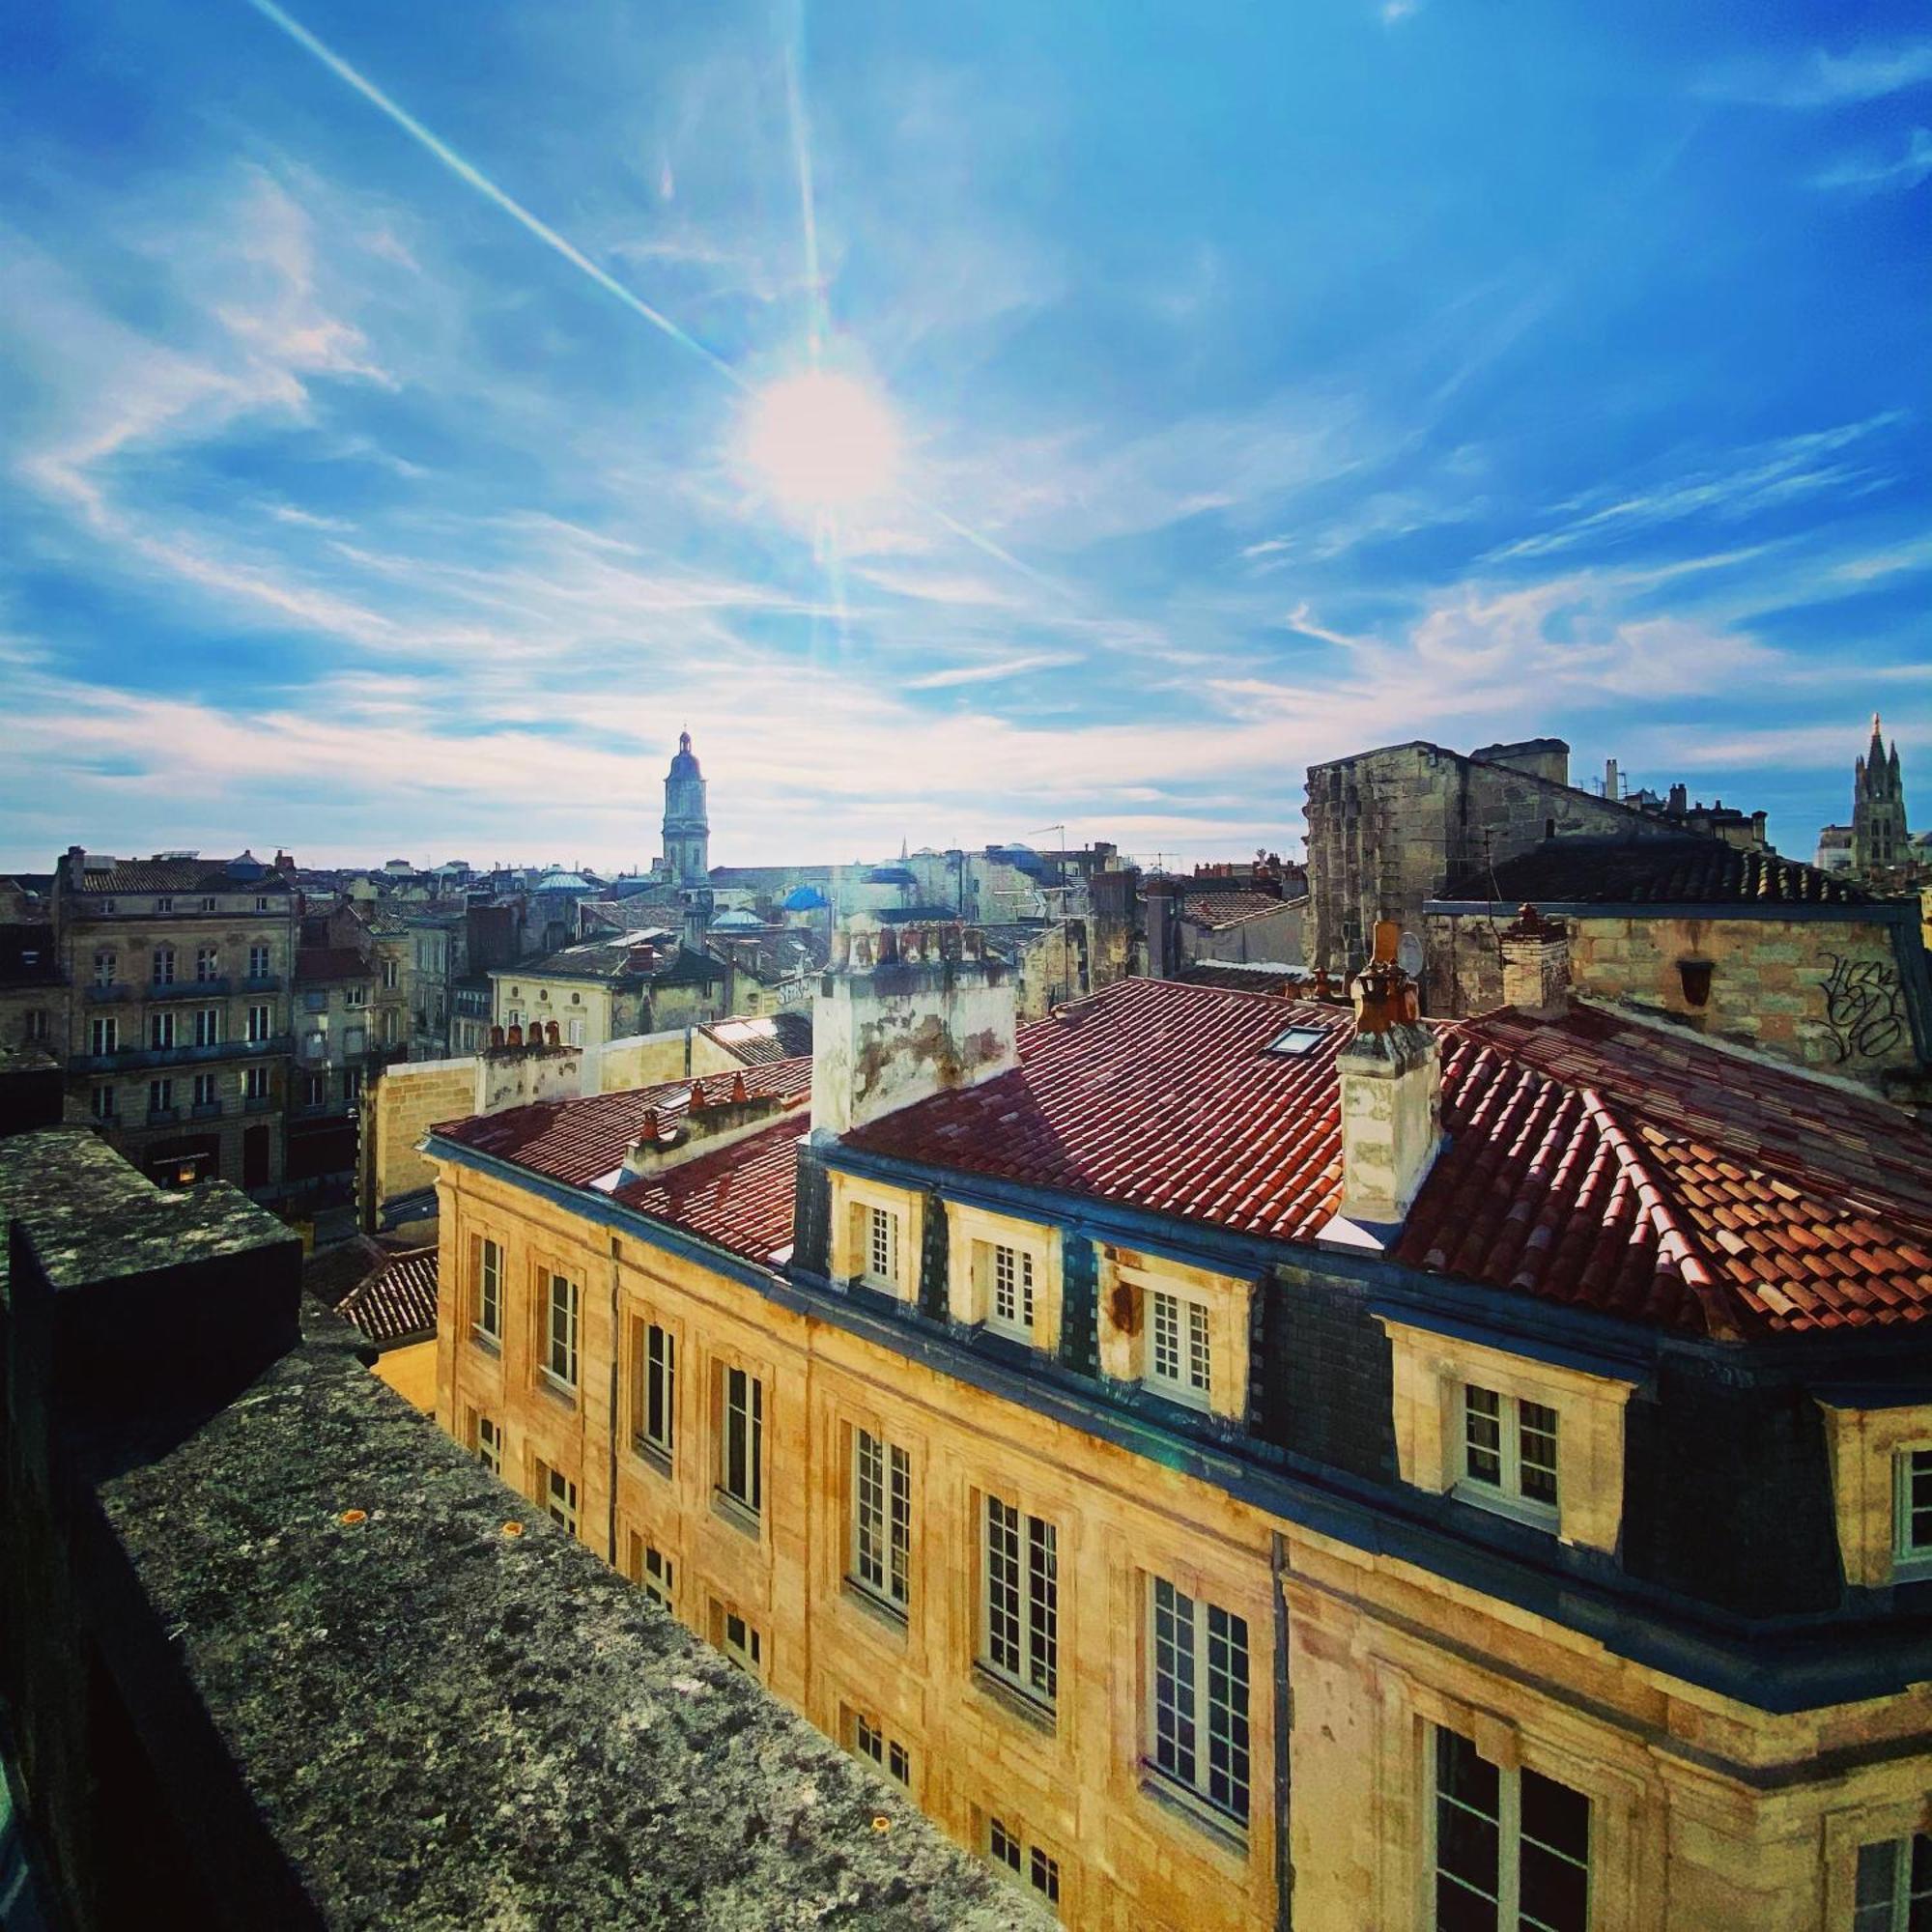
[1536,965]
[516,1037]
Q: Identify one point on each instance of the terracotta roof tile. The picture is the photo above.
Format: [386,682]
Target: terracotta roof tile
[398,1301]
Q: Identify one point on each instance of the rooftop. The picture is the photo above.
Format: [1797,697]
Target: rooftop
[607,957]
[1652,872]
[159,874]
[1218,909]
[397,1301]
[780,1036]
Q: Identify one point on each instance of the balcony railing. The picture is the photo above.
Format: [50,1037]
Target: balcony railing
[190,989]
[256,1103]
[118,989]
[206,1110]
[261,982]
[128,1059]
[161,1117]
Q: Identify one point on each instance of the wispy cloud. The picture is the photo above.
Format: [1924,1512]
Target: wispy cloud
[1871,173]
[989,673]
[1818,78]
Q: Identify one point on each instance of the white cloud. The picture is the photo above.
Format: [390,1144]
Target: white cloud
[1870,174]
[1822,80]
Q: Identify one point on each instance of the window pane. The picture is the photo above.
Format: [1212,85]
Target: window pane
[1555,1893]
[1196,1347]
[1228,1711]
[899,1582]
[1173,1740]
[1555,1816]
[1459,1910]
[1482,1434]
[1043,1620]
[1165,1325]
[1537,1447]
[1003,1591]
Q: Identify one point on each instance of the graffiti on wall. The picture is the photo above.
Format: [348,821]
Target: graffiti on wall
[1865,1007]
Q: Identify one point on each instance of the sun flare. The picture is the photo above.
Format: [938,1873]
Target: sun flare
[822,443]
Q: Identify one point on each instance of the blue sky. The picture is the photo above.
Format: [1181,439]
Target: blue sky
[1273,382]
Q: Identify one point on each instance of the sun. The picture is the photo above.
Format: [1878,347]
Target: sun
[821,443]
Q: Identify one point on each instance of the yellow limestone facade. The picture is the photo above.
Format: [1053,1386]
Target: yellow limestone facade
[1705,1813]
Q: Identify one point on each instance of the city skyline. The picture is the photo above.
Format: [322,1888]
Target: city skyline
[396,465]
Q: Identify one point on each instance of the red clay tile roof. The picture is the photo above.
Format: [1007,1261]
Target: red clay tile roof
[1215,910]
[1596,1162]
[581,1140]
[398,1301]
[739,1198]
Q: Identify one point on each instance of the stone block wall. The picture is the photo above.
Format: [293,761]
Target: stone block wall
[1826,994]
[398,1110]
[1386,828]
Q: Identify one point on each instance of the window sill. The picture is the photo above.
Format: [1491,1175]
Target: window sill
[1537,1516]
[1222,1832]
[1194,1400]
[485,1340]
[742,1516]
[559,1390]
[889,1617]
[1914,1569]
[1013,1702]
[647,1450]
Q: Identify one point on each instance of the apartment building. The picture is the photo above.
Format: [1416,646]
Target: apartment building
[1235,1463]
[335,1051]
[178,1037]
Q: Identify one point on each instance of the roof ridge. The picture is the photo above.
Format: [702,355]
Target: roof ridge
[1725,1316]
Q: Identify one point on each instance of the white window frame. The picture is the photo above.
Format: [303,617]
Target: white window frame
[558,1498]
[208,1026]
[261,962]
[486,1299]
[1022,1859]
[1506,1493]
[1191,1381]
[1509,1838]
[162,970]
[105,962]
[868,1739]
[207,1089]
[104,1035]
[882,1229]
[561,1336]
[657,1576]
[1019,1628]
[488,1443]
[1910,1558]
[207,964]
[105,1106]
[161,1030]
[741,1427]
[657,1388]
[1022,1288]
[879,1512]
[745,1645]
[162,1096]
[261,1025]
[1187,1665]
[1892,1913]
[255,1083]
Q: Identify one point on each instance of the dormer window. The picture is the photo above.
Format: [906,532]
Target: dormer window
[1009,1303]
[882,1248]
[1509,1452]
[1180,1357]
[1912,1512]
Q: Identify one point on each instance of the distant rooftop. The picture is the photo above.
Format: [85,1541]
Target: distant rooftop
[1652,870]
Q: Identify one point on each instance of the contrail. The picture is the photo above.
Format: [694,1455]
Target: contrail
[486,187]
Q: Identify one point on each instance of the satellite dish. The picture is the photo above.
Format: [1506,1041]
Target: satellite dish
[1408,955]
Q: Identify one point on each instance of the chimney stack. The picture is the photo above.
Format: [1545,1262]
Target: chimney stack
[1536,965]
[1391,1077]
[930,1012]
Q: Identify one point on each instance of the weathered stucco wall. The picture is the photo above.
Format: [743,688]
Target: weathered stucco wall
[649,1059]
[1828,994]
[1274,938]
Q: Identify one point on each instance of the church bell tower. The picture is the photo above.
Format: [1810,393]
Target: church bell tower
[687,834]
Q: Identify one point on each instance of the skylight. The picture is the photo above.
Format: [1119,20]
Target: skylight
[1298,1040]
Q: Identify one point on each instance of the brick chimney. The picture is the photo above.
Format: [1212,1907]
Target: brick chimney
[903,1014]
[717,1114]
[1391,1077]
[1536,965]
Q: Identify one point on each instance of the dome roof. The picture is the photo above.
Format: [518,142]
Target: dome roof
[736,921]
[803,898]
[684,764]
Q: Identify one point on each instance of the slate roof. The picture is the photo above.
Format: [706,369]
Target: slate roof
[1594,1161]
[774,953]
[397,1303]
[1653,871]
[180,875]
[766,1038]
[1218,909]
[602,959]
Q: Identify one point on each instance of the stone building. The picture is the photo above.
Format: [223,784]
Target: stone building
[177,1045]
[687,827]
[604,988]
[1880,841]
[334,1048]
[1758,950]
[35,994]
[1230,1462]
[1387,828]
